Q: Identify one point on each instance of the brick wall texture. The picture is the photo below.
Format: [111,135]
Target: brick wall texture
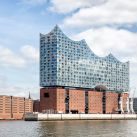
[14,107]
[52,100]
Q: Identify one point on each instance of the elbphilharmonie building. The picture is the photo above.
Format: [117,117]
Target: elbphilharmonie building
[75,80]
[68,63]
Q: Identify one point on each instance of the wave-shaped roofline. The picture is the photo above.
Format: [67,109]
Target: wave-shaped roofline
[110,55]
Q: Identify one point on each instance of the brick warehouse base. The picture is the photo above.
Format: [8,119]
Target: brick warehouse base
[52,100]
[60,100]
[95,102]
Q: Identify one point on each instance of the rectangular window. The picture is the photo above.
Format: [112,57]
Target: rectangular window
[46,95]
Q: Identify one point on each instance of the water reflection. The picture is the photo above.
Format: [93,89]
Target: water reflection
[88,129]
[115,128]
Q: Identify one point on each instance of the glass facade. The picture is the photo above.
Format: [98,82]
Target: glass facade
[68,63]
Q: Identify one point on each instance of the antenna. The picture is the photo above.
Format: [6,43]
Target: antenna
[29,96]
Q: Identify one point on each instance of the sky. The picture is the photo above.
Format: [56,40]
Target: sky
[108,26]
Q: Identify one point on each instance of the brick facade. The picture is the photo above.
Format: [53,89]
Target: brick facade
[52,100]
[95,102]
[14,107]
[5,107]
[76,101]
[124,100]
[48,103]
[111,102]
[59,100]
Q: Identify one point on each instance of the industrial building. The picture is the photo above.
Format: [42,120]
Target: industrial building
[14,107]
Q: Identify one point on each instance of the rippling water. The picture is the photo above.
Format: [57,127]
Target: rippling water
[115,128]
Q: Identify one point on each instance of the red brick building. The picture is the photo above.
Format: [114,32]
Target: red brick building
[124,100]
[5,107]
[111,102]
[95,102]
[76,101]
[14,107]
[60,100]
[52,100]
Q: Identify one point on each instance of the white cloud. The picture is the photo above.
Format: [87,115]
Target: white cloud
[8,58]
[66,6]
[112,12]
[30,53]
[121,43]
[20,91]
[105,40]
[16,60]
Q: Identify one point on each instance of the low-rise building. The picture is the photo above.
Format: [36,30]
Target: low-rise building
[61,100]
[14,107]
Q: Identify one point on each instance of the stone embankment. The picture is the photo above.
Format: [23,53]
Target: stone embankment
[52,117]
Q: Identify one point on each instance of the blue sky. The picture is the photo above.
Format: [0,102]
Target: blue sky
[107,25]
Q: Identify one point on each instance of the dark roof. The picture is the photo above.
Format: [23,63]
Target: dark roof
[101,88]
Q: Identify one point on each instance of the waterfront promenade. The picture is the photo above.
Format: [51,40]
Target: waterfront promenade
[52,117]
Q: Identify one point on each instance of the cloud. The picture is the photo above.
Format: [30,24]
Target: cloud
[3,80]
[111,12]
[20,91]
[61,6]
[67,6]
[120,42]
[8,58]
[14,82]
[105,40]
[30,53]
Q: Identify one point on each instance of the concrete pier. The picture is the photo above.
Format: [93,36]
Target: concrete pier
[52,117]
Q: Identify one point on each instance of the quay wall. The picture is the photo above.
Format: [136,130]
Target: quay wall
[52,117]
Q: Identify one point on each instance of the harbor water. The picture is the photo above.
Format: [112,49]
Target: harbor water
[74,128]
